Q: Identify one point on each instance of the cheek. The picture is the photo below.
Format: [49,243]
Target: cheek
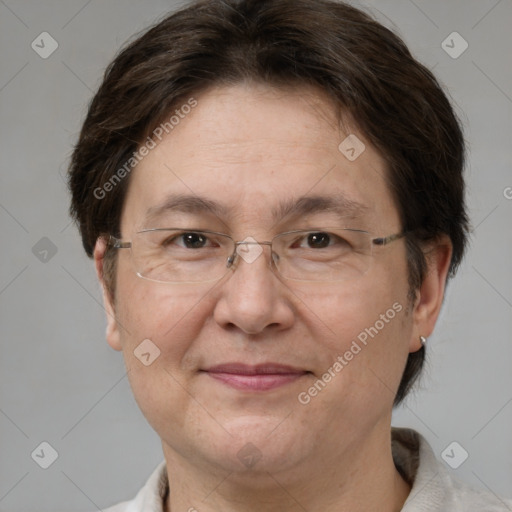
[365,322]
[156,318]
[362,365]
[168,315]
[171,317]
[339,313]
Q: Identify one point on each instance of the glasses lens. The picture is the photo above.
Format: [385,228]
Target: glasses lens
[178,256]
[323,255]
[181,256]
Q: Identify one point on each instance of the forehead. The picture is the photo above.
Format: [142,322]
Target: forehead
[251,154]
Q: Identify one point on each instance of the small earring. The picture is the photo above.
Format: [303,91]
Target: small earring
[423,341]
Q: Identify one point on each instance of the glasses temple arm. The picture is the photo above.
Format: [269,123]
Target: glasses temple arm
[116,243]
[388,239]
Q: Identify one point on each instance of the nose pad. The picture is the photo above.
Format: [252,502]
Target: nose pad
[274,260]
[231,261]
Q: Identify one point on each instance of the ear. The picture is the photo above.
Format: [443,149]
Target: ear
[112,333]
[429,297]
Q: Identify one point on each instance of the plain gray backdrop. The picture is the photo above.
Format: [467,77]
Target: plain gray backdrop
[60,382]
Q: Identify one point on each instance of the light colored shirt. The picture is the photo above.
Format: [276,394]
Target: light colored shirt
[434,488]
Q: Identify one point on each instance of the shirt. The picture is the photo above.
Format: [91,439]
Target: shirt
[434,488]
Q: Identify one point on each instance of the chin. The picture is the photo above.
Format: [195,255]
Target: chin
[259,445]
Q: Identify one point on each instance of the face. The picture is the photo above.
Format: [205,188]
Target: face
[292,373]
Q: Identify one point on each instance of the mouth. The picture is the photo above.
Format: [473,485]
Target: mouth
[262,377]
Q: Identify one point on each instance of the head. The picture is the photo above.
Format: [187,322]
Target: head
[247,104]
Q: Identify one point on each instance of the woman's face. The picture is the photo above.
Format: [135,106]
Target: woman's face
[255,371]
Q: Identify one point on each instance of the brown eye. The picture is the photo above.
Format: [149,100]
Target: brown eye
[188,240]
[194,240]
[318,240]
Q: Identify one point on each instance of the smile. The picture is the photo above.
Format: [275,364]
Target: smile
[262,377]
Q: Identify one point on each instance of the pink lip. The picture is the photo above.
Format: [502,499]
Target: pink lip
[261,377]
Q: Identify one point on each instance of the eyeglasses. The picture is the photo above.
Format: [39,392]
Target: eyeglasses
[174,255]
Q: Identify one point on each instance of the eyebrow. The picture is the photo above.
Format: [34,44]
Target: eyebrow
[291,208]
[187,204]
[306,205]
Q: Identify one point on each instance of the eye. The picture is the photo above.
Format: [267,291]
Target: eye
[320,240]
[189,240]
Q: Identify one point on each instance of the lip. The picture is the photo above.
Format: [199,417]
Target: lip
[261,377]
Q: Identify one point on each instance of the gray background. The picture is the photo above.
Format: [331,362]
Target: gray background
[59,380]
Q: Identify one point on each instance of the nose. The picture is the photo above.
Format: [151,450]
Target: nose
[253,298]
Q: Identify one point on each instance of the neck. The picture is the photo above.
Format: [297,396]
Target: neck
[360,478]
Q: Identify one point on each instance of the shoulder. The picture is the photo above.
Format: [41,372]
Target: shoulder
[472,500]
[150,498]
[434,487]
[125,506]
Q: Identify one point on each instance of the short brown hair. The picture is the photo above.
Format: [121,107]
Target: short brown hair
[365,68]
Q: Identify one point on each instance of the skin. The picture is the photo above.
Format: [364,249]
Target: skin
[248,147]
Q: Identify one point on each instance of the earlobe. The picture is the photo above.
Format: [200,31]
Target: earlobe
[112,331]
[429,298]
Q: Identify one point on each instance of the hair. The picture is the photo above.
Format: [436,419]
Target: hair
[365,68]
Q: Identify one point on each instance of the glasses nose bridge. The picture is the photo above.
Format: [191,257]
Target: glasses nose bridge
[252,242]
[235,253]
